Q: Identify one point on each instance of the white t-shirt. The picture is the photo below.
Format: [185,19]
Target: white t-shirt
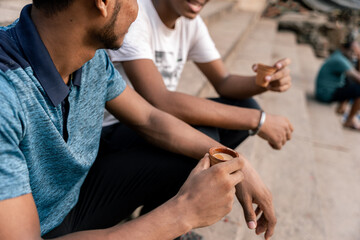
[150,38]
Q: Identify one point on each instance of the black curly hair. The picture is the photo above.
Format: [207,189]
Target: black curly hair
[52,7]
[349,39]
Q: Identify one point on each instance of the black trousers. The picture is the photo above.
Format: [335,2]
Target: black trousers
[129,172]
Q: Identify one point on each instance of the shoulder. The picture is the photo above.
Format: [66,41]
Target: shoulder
[10,103]
[10,55]
[341,60]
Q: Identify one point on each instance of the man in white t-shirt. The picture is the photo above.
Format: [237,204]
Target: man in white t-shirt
[168,33]
[165,35]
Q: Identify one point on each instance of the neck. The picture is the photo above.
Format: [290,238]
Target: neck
[64,41]
[166,13]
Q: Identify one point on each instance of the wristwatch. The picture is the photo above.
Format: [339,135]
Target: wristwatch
[255,131]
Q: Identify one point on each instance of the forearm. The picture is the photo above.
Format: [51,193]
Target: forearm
[354,75]
[172,134]
[165,222]
[239,87]
[204,112]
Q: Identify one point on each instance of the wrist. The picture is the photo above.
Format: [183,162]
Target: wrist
[181,213]
[261,122]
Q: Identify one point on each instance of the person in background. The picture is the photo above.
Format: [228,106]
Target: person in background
[338,80]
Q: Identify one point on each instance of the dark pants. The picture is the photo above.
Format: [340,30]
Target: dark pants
[129,172]
[350,91]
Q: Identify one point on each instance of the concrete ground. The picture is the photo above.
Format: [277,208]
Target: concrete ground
[315,178]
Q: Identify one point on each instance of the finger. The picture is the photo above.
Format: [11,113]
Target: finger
[203,164]
[269,216]
[261,225]
[236,177]
[233,165]
[249,214]
[254,67]
[276,144]
[279,88]
[273,145]
[270,229]
[283,75]
[291,126]
[258,211]
[285,80]
[288,134]
[282,63]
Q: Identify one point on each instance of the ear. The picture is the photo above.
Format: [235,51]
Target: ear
[102,6]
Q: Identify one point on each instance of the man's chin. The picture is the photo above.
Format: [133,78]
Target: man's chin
[115,48]
[190,15]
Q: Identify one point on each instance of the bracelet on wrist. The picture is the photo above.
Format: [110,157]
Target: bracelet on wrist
[255,131]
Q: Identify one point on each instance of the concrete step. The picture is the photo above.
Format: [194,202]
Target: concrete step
[10,10]
[290,173]
[327,128]
[337,158]
[285,46]
[309,67]
[257,47]
[214,10]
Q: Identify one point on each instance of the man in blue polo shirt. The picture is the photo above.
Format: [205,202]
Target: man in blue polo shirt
[54,84]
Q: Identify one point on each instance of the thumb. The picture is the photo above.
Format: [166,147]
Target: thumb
[203,164]
[254,67]
[249,214]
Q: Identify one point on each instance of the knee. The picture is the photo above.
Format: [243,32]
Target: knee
[250,103]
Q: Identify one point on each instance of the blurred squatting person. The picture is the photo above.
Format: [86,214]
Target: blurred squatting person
[339,81]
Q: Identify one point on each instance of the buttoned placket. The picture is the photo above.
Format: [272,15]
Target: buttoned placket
[65,108]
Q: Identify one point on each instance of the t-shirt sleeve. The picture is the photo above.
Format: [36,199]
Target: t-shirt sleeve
[337,64]
[137,43]
[343,65]
[115,83]
[14,175]
[202,46]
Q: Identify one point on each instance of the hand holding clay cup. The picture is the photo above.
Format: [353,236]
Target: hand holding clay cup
[221,154]
[262,72]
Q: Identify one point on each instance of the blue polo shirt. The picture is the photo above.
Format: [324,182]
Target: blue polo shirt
[34,157]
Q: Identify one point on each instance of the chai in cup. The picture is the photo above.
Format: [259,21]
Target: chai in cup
[221,154]
[262,72]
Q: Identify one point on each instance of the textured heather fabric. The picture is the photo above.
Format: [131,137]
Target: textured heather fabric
[34,158]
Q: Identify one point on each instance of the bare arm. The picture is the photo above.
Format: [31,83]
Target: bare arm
[193,110]
[148,81]
[160,128]
[239,87]
[229,85]
[354,75]
[195,205]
